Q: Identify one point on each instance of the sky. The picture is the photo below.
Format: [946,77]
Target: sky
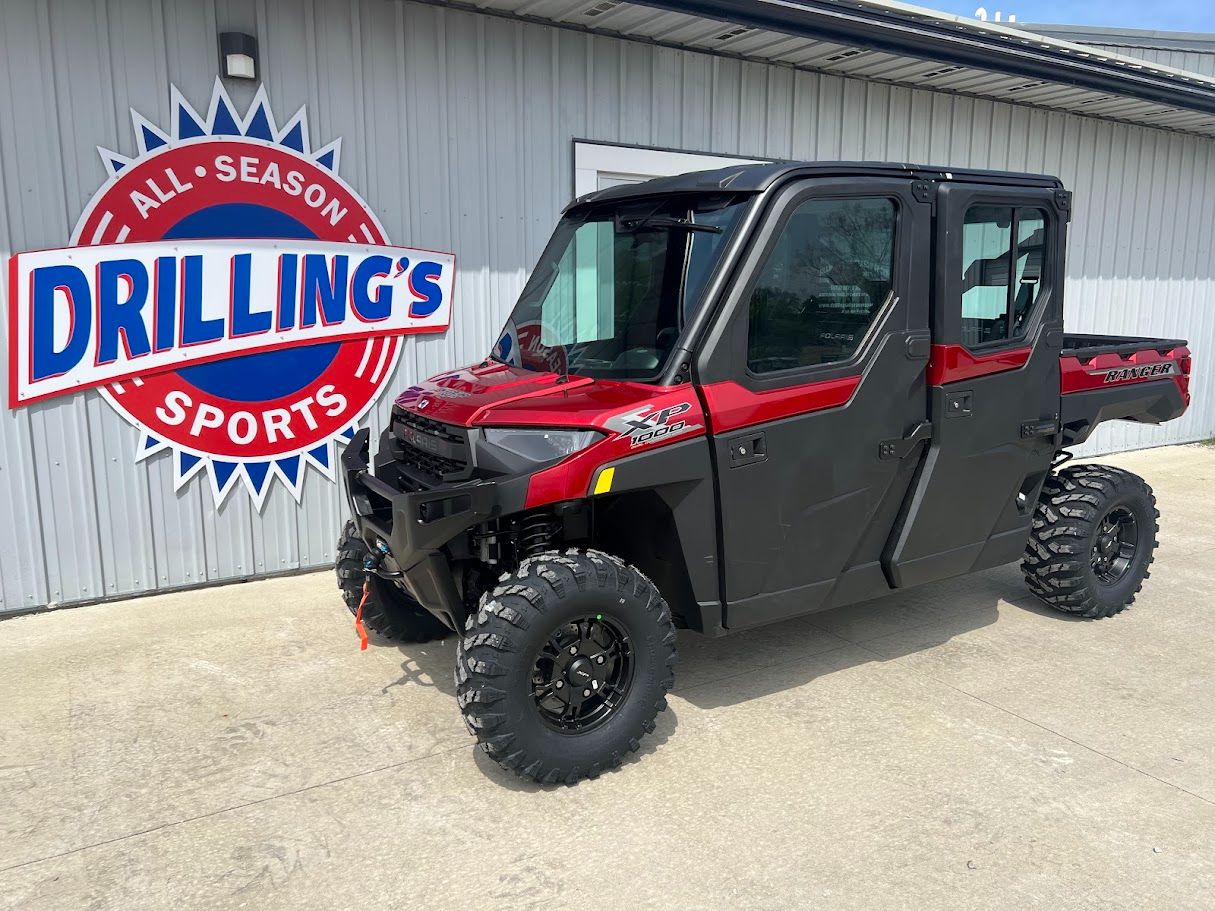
[1161,15]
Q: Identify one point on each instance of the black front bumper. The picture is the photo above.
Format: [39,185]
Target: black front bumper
[417,526]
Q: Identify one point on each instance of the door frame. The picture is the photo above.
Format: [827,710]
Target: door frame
[1011,382]
[954,200]
[722,375]
[722,355]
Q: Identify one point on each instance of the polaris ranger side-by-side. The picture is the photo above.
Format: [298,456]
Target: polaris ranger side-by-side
[729,398]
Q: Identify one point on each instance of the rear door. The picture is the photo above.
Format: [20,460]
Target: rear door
[993,380]
[813,384]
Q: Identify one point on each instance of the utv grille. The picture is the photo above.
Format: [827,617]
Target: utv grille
[435,428]
[430,451]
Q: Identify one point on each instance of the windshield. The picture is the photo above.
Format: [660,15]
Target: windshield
[616,285]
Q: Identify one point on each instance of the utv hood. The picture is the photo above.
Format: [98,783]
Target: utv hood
[496,393]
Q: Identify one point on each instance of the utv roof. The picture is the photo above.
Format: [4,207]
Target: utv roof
[755,178]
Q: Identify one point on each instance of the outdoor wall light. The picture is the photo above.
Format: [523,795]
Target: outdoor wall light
[237,55]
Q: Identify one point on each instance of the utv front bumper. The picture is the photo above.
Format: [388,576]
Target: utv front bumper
[413,531]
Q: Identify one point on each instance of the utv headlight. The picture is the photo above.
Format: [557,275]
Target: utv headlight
[541,445]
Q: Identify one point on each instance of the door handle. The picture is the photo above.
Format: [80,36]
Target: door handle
[959,404]
[747,449]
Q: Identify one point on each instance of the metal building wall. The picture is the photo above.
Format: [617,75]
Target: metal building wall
[457,128]
[1195,61]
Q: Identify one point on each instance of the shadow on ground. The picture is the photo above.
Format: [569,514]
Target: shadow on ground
[884,629]
[424,663]
[752,664]
[709,668]
[664,728]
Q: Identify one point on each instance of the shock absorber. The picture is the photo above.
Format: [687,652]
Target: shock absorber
[536,531]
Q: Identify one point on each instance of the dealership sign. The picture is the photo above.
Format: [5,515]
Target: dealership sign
[229,296]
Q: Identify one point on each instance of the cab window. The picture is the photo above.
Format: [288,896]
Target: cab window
[1003,254]
[821,285]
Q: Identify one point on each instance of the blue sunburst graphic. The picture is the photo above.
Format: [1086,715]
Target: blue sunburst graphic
[221,120]
[259,125]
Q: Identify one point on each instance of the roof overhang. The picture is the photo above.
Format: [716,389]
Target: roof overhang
[1192,42]
[895,43]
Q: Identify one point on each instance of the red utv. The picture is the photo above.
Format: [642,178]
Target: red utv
[729,398]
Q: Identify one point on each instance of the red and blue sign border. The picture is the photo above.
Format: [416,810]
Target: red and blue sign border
[256,128]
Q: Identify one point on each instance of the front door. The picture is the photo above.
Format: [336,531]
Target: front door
[813,383]
[993,380]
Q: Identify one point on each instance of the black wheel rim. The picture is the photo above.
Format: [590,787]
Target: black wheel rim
[1114,546]
[582,673]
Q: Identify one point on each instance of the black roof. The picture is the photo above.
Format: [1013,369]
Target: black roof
[755,178]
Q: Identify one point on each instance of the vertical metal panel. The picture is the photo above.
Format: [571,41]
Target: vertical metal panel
[1194,61]
[23,571]
[457,129]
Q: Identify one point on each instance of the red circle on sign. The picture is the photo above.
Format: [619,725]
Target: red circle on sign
[154,194]
[173,189]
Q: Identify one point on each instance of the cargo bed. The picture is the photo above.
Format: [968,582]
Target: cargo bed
[1120,378]
[1089,346]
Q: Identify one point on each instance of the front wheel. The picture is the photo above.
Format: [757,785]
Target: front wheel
[1092,541]
[565,665]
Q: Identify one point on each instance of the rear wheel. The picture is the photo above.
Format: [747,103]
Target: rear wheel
[389,611]
[565,665]
[1093,539]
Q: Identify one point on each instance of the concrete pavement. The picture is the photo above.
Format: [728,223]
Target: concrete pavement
[958,746]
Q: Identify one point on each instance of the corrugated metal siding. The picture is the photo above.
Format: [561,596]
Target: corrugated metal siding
[458,131]
[689,30]
[1194,61]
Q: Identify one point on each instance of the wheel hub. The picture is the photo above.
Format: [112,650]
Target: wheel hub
[1114,546]
[582,673]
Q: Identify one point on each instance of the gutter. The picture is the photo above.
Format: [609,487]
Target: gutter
[938,38]
[1192,42]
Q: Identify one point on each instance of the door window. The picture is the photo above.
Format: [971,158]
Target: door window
[822,284]
[997,300]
